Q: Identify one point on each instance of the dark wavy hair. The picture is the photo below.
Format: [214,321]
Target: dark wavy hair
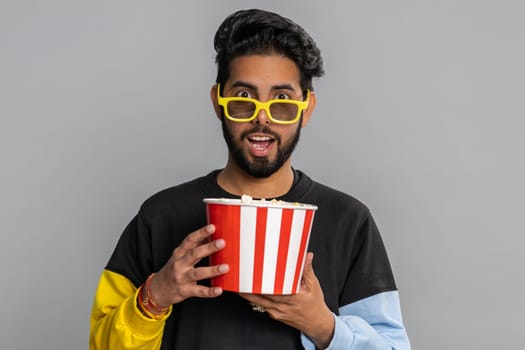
[261,32]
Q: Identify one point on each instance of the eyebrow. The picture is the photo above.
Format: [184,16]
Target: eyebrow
[253,87]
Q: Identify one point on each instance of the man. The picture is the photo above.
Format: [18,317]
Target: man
[155,293]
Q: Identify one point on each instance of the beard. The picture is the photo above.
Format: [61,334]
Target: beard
[260,167]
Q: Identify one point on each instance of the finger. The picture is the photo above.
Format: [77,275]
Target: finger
[262,301]
[193,240]
[197,290]
[308,268]
[309,278]
[254,298]
[196,254]
[201,273]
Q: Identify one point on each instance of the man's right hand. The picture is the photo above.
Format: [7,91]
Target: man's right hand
[177,280]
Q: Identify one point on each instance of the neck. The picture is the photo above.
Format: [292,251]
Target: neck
[236,181]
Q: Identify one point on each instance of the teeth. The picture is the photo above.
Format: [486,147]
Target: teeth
[260,138]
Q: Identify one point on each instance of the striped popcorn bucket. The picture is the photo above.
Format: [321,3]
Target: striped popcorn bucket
[266,244]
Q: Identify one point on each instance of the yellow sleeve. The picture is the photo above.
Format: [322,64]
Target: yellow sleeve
[116,322]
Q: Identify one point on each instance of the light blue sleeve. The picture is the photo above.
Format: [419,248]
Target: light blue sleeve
[373,323]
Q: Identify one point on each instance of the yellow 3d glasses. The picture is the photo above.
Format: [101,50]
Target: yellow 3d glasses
[279,111]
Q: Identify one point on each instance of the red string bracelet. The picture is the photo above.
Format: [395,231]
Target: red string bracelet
[147,300]
[146,304]
[142,307]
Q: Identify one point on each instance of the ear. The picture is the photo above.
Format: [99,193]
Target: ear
[215,103]
[309,110]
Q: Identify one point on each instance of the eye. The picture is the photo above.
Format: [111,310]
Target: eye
[243,94]
[282,96]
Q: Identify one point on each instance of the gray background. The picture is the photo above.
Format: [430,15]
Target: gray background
[420,115]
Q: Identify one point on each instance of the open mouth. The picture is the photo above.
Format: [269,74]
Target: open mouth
[261,142]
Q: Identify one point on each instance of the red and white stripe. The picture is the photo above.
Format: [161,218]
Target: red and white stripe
[268,257]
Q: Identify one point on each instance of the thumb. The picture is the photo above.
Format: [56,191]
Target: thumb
[308,271]
[309,279]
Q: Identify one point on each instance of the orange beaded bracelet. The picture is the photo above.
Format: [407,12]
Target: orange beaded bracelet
[147,300]
[146,304]
[143,309]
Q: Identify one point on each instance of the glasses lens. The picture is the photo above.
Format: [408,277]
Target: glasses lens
[283,111]
[241,109]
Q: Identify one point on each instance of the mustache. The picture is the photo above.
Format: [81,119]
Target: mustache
[262,129]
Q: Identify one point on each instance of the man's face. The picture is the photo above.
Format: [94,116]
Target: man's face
[260,147]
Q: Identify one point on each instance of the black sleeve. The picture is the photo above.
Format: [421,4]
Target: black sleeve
[370,272]
[132,256]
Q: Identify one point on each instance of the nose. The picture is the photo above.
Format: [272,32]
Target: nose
[262,117]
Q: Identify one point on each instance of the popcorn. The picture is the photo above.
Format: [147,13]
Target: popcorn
[246,198]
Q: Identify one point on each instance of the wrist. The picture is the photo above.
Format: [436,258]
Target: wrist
[146,304]
[153,293]
[322,334]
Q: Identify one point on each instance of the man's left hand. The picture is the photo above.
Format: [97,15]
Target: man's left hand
[305,311]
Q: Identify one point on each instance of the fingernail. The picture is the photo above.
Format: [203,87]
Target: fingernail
[217,291]
[220,243]
[224,268]
[210,228]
